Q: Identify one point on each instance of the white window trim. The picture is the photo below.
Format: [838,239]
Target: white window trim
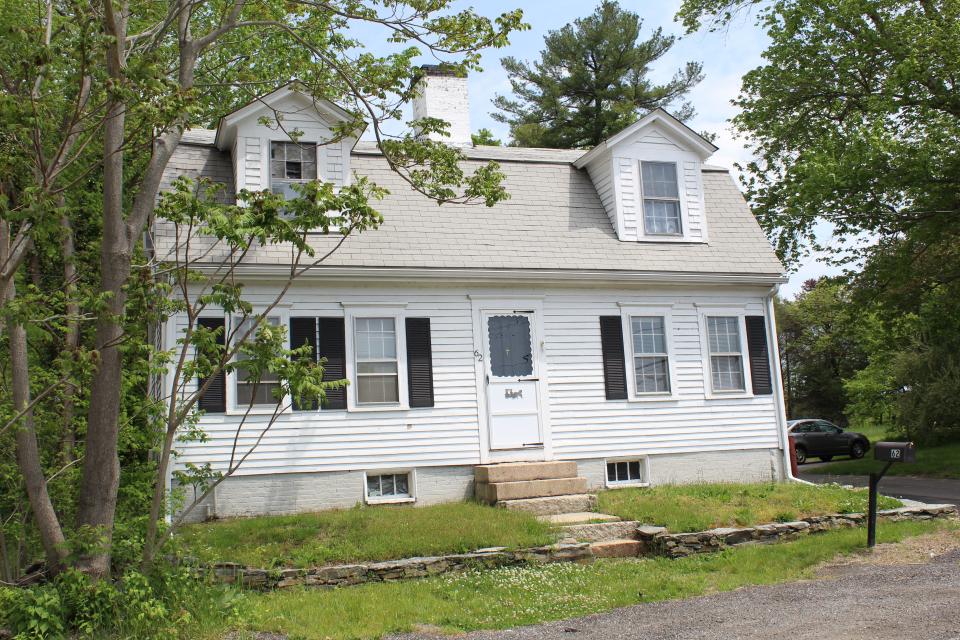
[397,311]
[411,486]
[628,311]
[644,472]
[740,312]
[683,236]
[282,312]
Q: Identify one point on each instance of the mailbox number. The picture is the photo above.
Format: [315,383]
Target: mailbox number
[895,453]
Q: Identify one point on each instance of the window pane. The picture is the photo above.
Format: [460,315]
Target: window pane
[648,335]
[373,487]
[262,394]
[377,389]
[724,334]
[652,374]
[727,373]
[376,339]
[511,353]
[276,169]
[659,179]
[276,150]
[402,484]
[309,170]
[611,472]
[621,471]
[661,217]
[308,152]
[635,470]
[293,171]
[377,367]
[292,151]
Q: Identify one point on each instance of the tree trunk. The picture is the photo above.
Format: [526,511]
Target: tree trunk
[101,465]
[71,339]
[28,453]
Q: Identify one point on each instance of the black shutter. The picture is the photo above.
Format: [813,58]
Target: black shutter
[214,399]
[304,331]
[332,346]
[419,362]
[614,367]
[759,355]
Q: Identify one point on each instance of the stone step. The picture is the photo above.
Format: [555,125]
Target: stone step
[603,531]
[520,471]
[552,505]
[579,517]
[492,492]
[617,548]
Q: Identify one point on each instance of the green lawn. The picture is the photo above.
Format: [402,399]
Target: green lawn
[705,506]
[362,533]
[932,462]
[510,597]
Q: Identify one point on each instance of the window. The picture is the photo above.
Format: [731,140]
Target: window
[726,357]
[291,163]
[661,198]
[511,351]
[650,359]
[388,487]
[625,472]
[827,427]
[375,345]
[249,390]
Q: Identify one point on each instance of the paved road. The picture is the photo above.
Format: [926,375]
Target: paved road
[929,490]
[858,602]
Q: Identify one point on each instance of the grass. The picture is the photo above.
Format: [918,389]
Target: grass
[932,462]
[705,506]
[362,533]
[510,597]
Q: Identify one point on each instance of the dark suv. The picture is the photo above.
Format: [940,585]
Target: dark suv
[824,440]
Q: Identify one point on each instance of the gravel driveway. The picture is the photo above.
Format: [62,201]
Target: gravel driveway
[854,601]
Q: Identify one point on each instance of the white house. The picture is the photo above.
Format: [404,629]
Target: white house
[616,312]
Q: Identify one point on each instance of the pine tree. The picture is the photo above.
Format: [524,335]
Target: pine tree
[591,82]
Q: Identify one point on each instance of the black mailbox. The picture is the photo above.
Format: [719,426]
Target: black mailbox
[895,451]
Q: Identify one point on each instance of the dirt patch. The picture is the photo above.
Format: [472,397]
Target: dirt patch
[914,550]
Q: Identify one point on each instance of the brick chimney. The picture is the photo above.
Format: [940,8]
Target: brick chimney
[441,93]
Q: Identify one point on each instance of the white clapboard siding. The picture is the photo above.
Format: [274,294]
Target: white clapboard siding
[583,424]
[601,174]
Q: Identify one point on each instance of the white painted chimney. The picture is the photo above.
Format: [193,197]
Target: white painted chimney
[442,94]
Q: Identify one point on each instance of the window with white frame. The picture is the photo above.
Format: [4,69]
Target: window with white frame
[291,163]
[388,486]
[651,363]
[726,354]
[250,391]
[661,198]
[377,371]
[625,472]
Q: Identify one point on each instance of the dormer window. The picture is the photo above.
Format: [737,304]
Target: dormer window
[661,199]
[291,163]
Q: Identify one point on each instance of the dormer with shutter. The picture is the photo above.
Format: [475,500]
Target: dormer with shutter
[648,177]
[286,137]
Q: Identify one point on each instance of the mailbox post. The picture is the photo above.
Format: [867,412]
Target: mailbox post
[888,452]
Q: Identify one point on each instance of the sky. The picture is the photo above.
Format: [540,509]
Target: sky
[726,56]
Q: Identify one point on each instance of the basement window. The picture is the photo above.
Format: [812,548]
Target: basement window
[389,487]
[627,472]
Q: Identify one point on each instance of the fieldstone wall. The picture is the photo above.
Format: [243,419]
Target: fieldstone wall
[391,570]
[678,545]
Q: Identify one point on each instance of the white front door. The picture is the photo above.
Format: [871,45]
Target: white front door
[511,378]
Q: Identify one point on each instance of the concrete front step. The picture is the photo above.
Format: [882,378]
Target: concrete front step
[497,491]
[617,548]
[603,531]
[580,517]
[552,505]
[520,471]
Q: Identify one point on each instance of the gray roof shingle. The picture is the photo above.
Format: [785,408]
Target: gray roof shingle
[553,220]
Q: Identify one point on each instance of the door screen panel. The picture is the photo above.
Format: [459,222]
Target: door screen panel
[511,352]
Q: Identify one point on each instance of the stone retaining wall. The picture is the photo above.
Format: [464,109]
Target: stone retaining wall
[645,540]
[391,570]
[657,541]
